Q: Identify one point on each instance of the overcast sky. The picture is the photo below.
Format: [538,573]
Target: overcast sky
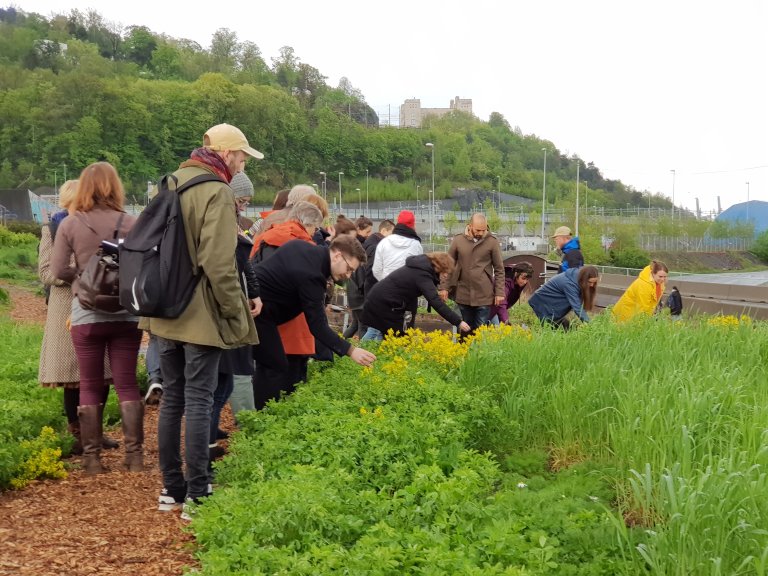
[640,88]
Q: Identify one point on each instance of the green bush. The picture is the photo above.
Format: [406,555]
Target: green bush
[10,238]
[25,228]
[630,257]
[26,409]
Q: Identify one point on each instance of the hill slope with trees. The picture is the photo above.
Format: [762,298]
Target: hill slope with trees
[75,88]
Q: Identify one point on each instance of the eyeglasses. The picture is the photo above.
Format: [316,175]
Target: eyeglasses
[350,270]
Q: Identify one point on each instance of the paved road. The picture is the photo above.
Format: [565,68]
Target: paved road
[732,278]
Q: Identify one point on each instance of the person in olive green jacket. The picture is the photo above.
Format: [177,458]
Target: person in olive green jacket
[478,279]
[218,316]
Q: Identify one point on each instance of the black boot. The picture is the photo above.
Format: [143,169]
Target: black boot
[77,447]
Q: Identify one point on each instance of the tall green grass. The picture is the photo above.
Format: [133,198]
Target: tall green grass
[676,413]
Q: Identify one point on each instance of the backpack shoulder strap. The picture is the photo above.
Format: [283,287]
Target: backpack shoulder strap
[199,179]
[117,226]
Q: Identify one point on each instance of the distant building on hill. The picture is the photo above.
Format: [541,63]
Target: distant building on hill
[412,114]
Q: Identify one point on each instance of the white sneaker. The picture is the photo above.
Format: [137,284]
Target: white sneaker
[168,502]
[154,393]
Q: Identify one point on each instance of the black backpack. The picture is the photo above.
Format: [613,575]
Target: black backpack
[157,278]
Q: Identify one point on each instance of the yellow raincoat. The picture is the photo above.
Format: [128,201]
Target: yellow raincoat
[639,298]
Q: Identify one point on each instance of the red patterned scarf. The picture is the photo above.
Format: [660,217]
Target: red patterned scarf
[208,159]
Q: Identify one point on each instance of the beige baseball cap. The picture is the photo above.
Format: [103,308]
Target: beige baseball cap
[227,137]
[562,231]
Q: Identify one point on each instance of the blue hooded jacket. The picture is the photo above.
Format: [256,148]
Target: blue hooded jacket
[572,257]
[559,296]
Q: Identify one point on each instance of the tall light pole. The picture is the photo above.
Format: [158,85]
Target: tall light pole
[432,204]
[367,210]
[673,194]
[340,175]
[359,201]
[747,202]
[576,224]
[417,195]
[544,195]
[325,189]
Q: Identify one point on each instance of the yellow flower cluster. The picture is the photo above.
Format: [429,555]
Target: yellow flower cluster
[499,333]
[377,412]
[729,321]
[44,461]
[435,347]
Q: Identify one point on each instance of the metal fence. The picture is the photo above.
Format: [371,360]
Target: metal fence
[693,244]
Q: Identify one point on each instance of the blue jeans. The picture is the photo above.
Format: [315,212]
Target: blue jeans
[191,376]
[475,316]
[154,374]
[373,334]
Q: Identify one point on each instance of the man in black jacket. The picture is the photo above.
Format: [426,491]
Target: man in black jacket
[293,280]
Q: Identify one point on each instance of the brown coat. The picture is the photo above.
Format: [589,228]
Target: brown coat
[75,238]
[479,272]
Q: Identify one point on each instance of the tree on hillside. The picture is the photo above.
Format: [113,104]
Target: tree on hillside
[225,50]
[286,68]
[140,43]
[251,65]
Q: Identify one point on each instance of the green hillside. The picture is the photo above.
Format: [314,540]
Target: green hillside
[75,88]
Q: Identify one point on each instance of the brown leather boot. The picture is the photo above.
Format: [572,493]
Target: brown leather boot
[107,443]
[133,434]
[90,436]
[74,429]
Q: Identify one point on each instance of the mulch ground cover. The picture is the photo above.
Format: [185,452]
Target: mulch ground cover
[105,524]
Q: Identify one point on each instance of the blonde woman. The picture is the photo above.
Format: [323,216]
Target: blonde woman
[58,362]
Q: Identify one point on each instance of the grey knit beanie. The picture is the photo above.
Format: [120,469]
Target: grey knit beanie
[241,185]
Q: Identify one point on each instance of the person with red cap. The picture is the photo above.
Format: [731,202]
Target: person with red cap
[392,251]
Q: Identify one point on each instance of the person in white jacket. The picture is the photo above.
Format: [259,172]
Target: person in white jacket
[395,248]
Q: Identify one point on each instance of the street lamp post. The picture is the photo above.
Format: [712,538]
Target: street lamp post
[431,146]
[747,202]
[340,175]
[367,210]
[544,195]
[417,196]
[325,189]
[673,194]
[498,190]
[359,201]
[578,165]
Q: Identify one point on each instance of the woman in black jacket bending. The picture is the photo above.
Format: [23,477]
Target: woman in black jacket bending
[392,302]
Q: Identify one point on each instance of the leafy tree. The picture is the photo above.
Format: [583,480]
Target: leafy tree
[251,66]
[286,68]
[760,247]
[450,221]
[630,257]
[225,50]
[140,43]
